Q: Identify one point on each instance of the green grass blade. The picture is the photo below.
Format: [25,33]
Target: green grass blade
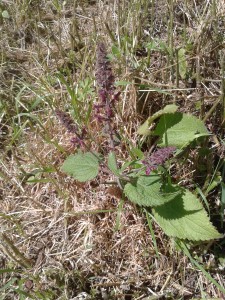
[149,219]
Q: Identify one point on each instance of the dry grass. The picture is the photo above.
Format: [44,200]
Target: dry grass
[60,238]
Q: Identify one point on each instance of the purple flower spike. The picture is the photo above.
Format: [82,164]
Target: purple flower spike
[66,121]
[157,158]
[107,93]
[104,109]
[104,76]
[71,127]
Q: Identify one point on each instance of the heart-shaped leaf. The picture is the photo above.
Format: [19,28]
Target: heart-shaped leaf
[184,217]
[179,129]
[82,166]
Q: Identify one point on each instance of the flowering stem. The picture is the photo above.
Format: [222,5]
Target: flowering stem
[104,110]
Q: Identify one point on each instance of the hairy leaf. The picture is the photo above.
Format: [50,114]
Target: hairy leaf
[168,109]
[184,217]
[179,129]
[82,166]
[149,191]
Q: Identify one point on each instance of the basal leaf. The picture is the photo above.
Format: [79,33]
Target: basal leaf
[149,191]
[179,129]
[144,128]
[184,217]
[82,166]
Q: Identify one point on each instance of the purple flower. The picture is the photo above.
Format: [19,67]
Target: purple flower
[104,76]
[71,127]
[66,121]
[104,109]
[157,158]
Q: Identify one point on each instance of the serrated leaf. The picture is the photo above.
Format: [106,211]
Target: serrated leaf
[184,217]
[148,191]
[82,166]
[168,109]
[182,63]
[112,164]
[179,129]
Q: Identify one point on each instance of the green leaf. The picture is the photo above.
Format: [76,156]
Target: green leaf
[82,166]
[152,46]
[179,129]
[128,164]
[112,164]
[223,193]
[116,51]
[184,217]
[148,191]
[136,153]
[182,63]
[168,109]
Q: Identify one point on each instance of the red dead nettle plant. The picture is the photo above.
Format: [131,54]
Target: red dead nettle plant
[177,210]
[104,113]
